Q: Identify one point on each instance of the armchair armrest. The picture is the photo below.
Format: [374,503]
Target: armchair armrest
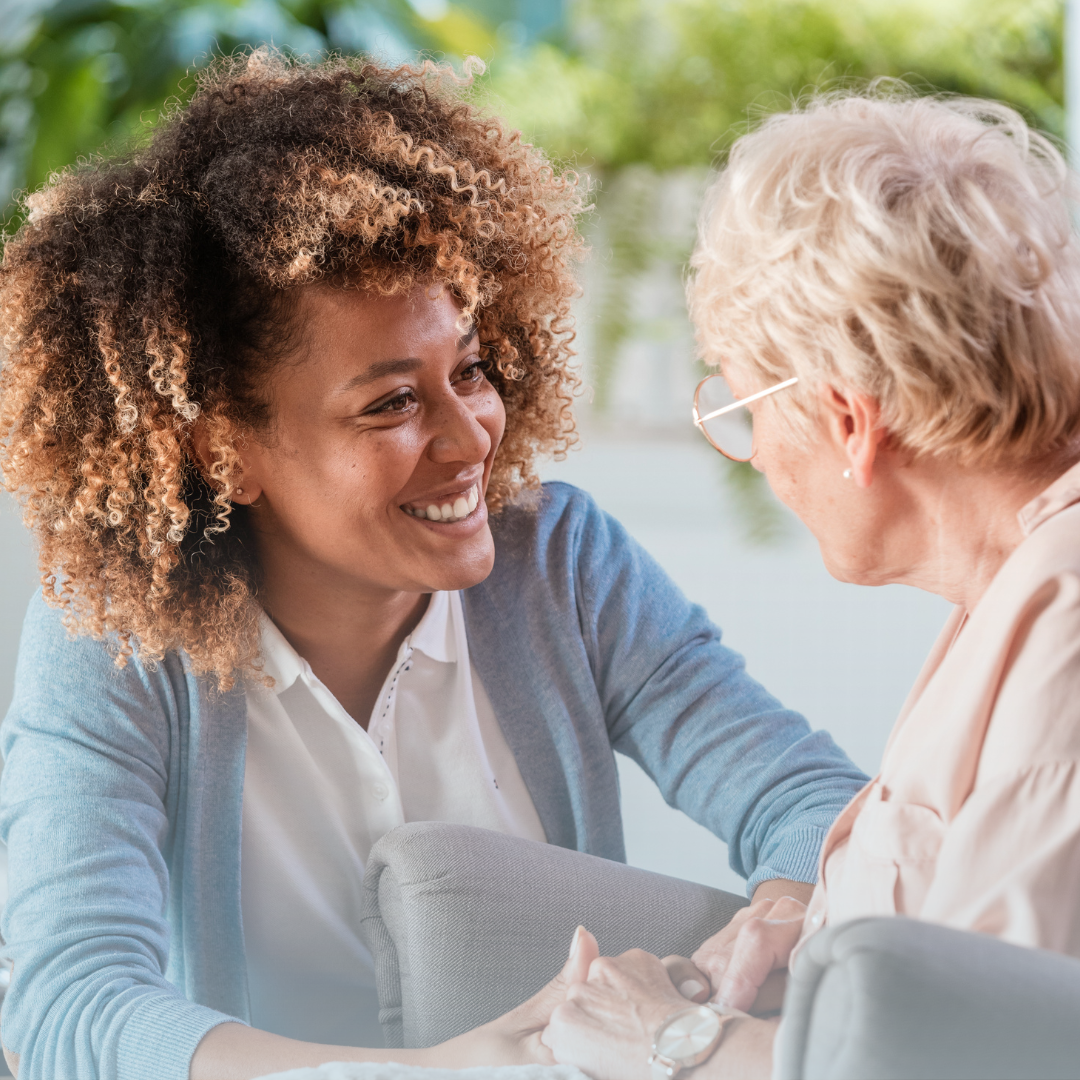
[465,924]
[899,999]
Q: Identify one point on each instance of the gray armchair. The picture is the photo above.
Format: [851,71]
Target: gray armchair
[898,999]
[465,924]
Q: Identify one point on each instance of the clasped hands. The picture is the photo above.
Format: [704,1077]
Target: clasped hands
[601,1013]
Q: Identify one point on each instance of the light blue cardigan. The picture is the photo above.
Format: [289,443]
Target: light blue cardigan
[121,795]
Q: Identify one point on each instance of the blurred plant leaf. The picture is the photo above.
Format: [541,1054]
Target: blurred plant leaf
[761,517]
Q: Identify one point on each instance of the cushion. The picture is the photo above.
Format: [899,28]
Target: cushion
[464,924]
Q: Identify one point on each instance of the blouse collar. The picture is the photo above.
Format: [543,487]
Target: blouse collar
[1062,493]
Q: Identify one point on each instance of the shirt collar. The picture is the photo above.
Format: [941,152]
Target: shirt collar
[1062,493]
[280,660]
[433,636]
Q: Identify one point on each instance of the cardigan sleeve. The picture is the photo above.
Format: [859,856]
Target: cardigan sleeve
[681,704]
[83,811]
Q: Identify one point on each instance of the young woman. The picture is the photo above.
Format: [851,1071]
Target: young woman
[272,394]
[893,286]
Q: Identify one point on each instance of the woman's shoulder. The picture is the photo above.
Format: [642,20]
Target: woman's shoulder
[544,511]
[67,681]
[1035,594]
[50,648]
[1036,716]
[554,526]
[1049,551]
[559,532]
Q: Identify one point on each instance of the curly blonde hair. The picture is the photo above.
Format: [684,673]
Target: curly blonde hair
[147,291]
[916,249]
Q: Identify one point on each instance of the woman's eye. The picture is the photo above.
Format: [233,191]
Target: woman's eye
[397,404]
[473,373]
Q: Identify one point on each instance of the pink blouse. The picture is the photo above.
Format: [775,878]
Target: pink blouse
[974,819]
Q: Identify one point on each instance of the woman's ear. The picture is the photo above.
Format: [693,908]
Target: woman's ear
[246,489]
[853,420]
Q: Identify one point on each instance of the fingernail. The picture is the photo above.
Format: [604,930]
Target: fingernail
[575,942]
[691,988]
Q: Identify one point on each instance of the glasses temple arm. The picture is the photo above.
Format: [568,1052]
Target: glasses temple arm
[744,401]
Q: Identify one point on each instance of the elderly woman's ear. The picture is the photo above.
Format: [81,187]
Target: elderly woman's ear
[852,421]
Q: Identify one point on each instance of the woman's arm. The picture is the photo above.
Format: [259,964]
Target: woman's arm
[237,1052]
[83,810]
[681,704]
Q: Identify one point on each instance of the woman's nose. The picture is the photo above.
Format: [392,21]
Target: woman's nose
[458,434]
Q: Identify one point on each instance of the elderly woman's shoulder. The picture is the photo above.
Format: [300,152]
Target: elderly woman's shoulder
[1047,561]
[1036,604]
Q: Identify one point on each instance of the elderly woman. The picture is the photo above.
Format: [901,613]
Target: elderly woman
[891,288]
[270,390]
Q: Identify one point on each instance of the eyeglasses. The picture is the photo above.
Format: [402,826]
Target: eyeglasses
[722,418]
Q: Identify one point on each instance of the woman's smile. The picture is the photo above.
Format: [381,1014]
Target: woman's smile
[449,508]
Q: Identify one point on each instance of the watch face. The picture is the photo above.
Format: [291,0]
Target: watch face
[688,1034]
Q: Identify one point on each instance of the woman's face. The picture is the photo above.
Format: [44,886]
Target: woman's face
[807,476]
[374,469]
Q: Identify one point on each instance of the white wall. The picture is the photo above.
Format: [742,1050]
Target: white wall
[18,579]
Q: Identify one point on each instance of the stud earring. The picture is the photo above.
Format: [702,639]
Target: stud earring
[848,474]
[240,491]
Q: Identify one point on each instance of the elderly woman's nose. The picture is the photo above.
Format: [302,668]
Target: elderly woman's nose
[457,433]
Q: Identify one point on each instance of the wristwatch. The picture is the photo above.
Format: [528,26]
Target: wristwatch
[688,1037]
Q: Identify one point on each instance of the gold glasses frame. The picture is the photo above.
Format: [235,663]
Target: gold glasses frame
[700,420]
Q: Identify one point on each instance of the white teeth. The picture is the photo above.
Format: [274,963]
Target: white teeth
[458,510]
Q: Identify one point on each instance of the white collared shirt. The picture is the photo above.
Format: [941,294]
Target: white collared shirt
[319,791]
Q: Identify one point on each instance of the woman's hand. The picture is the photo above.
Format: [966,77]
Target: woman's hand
[606,1025]
[758,941]
[514,1038]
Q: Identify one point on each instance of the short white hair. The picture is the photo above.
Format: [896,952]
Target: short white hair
[917,249]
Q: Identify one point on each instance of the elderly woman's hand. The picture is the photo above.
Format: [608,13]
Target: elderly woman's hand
[741,957]
[607,1024]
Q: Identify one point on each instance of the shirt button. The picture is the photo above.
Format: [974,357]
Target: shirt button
[380,791]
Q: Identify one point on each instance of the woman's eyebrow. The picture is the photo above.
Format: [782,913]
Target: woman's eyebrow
[380,369]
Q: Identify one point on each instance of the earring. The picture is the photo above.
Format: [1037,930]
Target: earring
[848,474]
[240,491]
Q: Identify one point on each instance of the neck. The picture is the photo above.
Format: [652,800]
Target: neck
[349,634]
[957,525]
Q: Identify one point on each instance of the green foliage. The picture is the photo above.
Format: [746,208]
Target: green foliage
[78,74]
[670,84]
